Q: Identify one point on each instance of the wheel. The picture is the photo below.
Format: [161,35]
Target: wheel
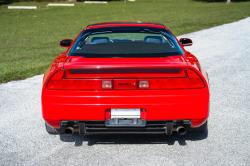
[202,128]
[51,130]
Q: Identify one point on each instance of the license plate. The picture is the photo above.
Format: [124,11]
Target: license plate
[125,113]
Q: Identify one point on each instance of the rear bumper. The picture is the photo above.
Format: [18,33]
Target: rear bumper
[160,105]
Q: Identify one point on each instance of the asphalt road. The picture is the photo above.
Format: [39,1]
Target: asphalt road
[224,51]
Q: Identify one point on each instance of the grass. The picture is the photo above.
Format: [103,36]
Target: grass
[30,38]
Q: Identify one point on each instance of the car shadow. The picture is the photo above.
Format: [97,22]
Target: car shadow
[134,138]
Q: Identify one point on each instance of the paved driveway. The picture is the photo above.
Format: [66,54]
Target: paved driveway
[224,52]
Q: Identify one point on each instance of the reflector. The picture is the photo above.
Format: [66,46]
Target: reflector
[143,114]
[107,114]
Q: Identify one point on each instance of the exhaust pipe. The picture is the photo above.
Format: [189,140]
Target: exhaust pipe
[69,131]
[181,130]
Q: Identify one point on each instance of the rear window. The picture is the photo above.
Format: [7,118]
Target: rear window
[125,42]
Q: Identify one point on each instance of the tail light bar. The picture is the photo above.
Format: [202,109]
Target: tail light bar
[191,81]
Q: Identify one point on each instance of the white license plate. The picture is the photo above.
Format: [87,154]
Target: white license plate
[125,113]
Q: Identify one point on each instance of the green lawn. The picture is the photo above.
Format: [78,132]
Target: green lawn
[30,38]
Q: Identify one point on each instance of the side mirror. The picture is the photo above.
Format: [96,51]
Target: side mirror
[186,42]
[66,42]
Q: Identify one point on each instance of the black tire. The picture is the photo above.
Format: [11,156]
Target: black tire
[51,130]
[202,128]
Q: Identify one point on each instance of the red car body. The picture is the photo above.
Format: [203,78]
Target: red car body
[91,107]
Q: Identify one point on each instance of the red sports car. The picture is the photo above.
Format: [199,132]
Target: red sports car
[125,77]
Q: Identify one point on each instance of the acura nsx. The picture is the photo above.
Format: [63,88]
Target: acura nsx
[126,78]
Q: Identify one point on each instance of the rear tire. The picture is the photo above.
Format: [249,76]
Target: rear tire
[52,130]
[202,128]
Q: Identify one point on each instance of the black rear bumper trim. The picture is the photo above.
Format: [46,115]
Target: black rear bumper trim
[99,127]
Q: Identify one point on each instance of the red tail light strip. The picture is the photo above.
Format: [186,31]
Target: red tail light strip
[193,80]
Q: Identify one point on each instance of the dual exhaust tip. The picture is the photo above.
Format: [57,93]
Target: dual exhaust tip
[69,131]
[181,130]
